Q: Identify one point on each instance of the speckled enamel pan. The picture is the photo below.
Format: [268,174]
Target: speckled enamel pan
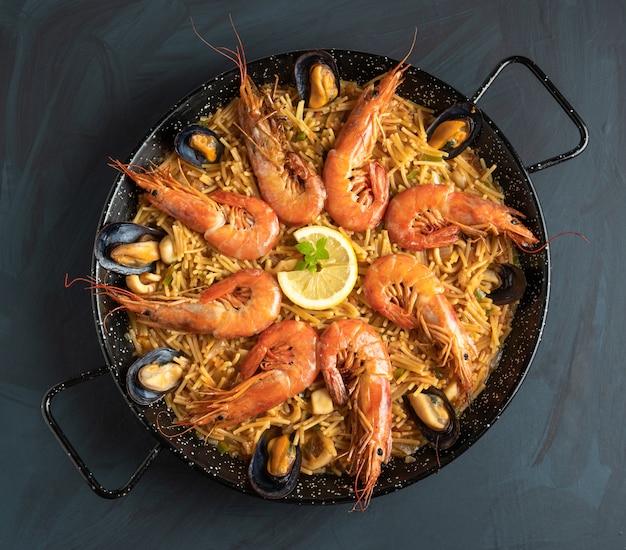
[520,346]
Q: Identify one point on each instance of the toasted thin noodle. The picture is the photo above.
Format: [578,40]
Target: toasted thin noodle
[463,268]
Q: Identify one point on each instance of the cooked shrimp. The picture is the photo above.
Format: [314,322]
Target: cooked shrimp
[357,187]
[284,355]
[243,227]
[287,180]
[356,366]
[242,304]
[406,292]
[430,216]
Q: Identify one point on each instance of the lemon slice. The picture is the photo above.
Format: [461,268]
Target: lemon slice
[332,283]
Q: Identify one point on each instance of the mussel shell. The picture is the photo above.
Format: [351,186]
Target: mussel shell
[459,111]
[302,67]
[512,284]
[191,155]
[114,234]
[444,439]
[265,484]
[139,394]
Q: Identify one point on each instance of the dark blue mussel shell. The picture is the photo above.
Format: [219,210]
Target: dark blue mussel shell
[182,145]
[138,393]
[266,484]
[465,111]
[117,233]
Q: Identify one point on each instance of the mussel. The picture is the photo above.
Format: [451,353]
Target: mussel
[455,128]
[275,466]
[512,284]
[198,145]
[128,248]
[317,78]
[153,375]
[434,416]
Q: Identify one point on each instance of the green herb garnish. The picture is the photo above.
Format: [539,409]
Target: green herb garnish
[169,274]
[299,136]
[222,447]
[313,254]
[412,174]
[431,158]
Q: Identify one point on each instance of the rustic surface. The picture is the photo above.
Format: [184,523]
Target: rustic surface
[84,80]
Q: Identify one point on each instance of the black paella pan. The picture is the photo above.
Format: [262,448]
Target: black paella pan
[520,346]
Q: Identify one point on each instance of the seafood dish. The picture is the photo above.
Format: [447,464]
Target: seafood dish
[344,389]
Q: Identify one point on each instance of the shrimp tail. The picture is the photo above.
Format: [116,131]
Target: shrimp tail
[332,376]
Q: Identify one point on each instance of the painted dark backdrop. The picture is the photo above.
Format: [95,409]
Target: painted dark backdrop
[84,80]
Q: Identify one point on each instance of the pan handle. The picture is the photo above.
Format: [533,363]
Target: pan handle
[558,97]
[96,487]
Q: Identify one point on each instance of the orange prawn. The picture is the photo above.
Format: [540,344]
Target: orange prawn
[357,187]
[432,215]
[245,228]
[242,304]
[287,180]
[281,364]
[355,364]
[406,292]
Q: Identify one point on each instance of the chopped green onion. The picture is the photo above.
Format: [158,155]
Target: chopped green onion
[431,158]
[169,275]
[397,373]
[412,174]
[300,136]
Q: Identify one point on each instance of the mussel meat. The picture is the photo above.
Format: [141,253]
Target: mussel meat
[128,248]
[275,466]
[455,129]
[434,416]
[512,284]
[198,145]
[317,78]
[153,375]
[318,450]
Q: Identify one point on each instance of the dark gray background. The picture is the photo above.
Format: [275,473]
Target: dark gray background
[84,80]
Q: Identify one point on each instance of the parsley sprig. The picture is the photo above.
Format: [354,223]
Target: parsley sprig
[313,254]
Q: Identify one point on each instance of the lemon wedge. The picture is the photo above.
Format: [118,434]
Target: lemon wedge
[335,278]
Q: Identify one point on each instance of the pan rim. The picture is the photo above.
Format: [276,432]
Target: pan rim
[338,488]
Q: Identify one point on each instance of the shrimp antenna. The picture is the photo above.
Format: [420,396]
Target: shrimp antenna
[237,56]
[179,432]
[100,288]
[544,245]
[412,46]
